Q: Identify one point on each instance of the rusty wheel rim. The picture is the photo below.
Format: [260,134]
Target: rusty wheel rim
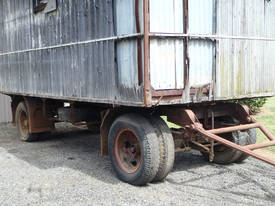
[23,123]
[127,149]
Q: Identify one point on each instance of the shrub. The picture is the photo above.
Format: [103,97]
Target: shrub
[254,104]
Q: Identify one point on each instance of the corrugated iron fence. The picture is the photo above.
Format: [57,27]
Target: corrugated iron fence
[5,109]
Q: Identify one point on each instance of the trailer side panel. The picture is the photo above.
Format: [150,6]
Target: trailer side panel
[66,70]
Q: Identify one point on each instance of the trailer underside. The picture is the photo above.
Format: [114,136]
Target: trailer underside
[194,128]
[200,126]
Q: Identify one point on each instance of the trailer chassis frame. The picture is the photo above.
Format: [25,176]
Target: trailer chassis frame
[196,135]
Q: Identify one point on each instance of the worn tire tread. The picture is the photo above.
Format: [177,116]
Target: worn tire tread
[150,146]
[166,146]
[250,139]
[31,137]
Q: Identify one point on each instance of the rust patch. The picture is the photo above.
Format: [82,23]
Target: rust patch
[38,122]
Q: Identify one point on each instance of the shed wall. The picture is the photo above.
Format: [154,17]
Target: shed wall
[127,50]
[244,67]
[108,71]
[86,72]
[224,54]
[201,53]
[166,55]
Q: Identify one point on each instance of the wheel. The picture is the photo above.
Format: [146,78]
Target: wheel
[134,149]
[250,138]
[22,122]
[227,155]
[166,147]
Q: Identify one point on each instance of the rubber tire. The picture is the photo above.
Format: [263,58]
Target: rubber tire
[30,137]
[241,138]
[166,147]
[230,155]
[251,138]
[146,134]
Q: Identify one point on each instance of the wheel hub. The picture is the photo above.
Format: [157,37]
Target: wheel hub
[128,151]
[23,124]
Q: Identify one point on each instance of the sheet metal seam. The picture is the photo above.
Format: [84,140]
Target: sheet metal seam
[79,99]
[203,36]
[117,38]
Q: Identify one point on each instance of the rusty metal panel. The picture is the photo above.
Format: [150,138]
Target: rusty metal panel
[5,108]
[65,70]
[245,68]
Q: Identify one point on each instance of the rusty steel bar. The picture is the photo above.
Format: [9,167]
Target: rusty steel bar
[139,47]
[200,145]
[186,149]
[234,128]
[211,136]
[266,133]
[185,40]
[260,145]
[203,36]
[147,86]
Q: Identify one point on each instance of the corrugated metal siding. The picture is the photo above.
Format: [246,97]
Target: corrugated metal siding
[201,53]
[106,72]
[201,15]
[85,72]
[270,46]
[245,68]
[166,56]
[5,109]
[127,57]
[234,69]
[167,64]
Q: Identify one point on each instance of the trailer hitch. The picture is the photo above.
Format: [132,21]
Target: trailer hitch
[188,120]
[212,135]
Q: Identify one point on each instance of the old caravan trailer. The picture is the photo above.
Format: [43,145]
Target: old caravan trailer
[122,64]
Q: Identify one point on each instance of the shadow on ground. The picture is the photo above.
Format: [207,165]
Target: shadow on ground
[79,149]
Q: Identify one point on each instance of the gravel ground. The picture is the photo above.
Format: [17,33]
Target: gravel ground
[65,168]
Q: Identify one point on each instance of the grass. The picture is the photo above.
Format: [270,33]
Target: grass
[170,124]
[267,118]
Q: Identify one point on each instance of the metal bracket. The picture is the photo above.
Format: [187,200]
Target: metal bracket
[188,119]
[212,136]
[38,122]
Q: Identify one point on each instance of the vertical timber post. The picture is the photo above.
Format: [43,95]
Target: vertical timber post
[185,31]
[147,100]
